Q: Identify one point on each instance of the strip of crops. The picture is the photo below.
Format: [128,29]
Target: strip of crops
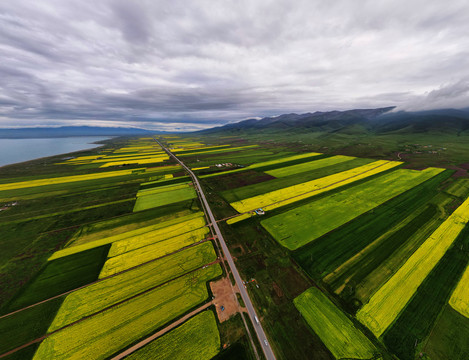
[27,325]
[386,304]
[54,189]
[182,151]
[362,264]
[139,256]
[141,161]
[196,339]
[282,197]
[161,189]
[312,165]
[378,276]
[100,295]
[65,179]
[333,327]
[219,150]
[328,252]
[448,338]
[129,222]
[265,165]
[164,182]
[306,223]
[165,198]
[459,301]
[132,244]
[459,188]
[416,320]
[248,191]
[102,335]
[62,275]
[152,237]
[172,227]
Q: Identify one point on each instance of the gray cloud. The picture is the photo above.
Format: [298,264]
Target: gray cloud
[193,64]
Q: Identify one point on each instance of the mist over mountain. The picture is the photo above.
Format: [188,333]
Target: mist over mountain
[358,121]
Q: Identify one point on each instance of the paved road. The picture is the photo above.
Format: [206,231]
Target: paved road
[244,294]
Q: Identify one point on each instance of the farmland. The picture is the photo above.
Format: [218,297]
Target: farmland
[339,334]
[391,298]
[147,253]
[105,333]
[353,202]
[460,298]
[105,279]
[109,250]
[110,291]
[282,197]
[185,342]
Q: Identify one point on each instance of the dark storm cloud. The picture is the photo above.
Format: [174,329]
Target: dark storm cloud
[192,64]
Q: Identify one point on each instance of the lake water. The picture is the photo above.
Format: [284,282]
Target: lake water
[18,150]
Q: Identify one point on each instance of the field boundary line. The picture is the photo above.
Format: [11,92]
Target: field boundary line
[161,332]
[105,278]
[268,352]
[101,311]
[307,192]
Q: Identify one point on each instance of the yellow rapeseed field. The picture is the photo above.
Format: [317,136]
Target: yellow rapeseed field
[151,237]
[101,335]
[100,295]
[459,301]
[171,224]
[142,255]
[239,218]
[386,304]
[290,194]
[150,160]
[65,179]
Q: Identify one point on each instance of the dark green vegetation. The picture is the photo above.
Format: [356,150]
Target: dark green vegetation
[245,192]
[382,250]
[349,263]
[62,275]
[27,325]
[44,218]
[428,138]
[246,157]
[415,322]
[234,352]
[279,281]
[322,256]
[154,184]
[240,179]
[352,261]
[448,338]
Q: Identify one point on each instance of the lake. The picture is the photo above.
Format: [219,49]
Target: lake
[18,150]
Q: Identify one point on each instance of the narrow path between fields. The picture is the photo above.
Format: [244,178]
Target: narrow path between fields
[307,192]
[103,310]
[161,332]
[105,278]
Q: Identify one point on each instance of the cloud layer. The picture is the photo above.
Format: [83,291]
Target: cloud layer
[193,64]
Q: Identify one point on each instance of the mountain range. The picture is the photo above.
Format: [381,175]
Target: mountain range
[358,121]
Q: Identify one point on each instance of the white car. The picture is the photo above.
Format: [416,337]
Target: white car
[266,343]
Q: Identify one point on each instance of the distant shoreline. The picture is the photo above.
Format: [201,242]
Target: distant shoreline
[18,150]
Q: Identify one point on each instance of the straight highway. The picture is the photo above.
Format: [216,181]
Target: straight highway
[244,294]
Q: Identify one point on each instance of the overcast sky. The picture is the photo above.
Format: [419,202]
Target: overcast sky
[192,64]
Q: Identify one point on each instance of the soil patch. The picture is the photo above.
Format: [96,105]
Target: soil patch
[225,298]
